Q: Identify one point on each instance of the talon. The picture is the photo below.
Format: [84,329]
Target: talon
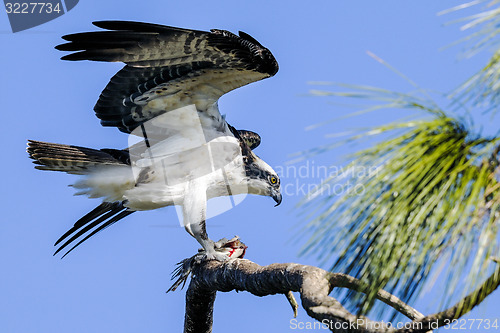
[216,256]
[220,243]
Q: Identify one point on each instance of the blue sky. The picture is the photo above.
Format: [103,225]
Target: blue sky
[117,280]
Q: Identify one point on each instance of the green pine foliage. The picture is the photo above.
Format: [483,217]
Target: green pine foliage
[432,195]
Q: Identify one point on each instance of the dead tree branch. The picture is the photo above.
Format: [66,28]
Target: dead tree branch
[314,285]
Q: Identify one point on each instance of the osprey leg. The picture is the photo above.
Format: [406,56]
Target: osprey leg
[199,232]
[194,209]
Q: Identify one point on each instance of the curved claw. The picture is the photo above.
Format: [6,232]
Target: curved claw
[215,255]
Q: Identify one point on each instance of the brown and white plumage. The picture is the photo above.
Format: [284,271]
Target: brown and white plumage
[167,68]
[167,94]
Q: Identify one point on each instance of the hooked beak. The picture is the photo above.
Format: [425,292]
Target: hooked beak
[277,197]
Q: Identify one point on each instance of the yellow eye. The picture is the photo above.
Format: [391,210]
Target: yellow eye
[273,180]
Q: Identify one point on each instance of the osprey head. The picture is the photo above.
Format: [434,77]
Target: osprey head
[261,178]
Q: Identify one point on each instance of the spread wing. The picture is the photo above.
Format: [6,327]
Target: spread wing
[252,139]
[167,68]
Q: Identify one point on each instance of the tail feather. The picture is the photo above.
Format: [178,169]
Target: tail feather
[103,226]
[81,160]
[100,218]
[100,210]
[73,159]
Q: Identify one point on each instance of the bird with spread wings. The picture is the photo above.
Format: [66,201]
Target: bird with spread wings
[166,95]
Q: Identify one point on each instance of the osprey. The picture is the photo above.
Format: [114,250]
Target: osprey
[165,97]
